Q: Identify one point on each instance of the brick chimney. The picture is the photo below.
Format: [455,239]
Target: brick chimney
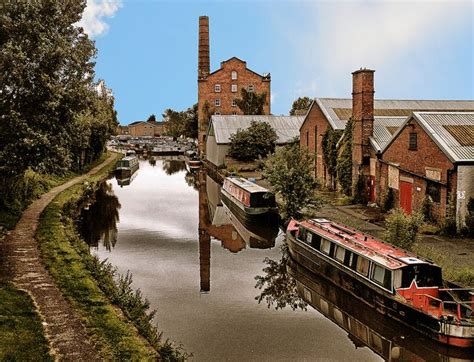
[363,121]
[203,52]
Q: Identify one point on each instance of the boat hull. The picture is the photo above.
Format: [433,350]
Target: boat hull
[383,302]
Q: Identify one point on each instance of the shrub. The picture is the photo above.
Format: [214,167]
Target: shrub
[427,209]
[388,200]
[470,218]
[344,160]
[402,229]
[449,224]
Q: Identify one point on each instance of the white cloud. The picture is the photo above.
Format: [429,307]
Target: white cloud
[344,36]
[93,20]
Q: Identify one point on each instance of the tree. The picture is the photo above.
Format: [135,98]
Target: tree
[300,106]
[191,122]
[182,123]
[251,103]
[46,79]
[256,141]
[151,119]
[289,171]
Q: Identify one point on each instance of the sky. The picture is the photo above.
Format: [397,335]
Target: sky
[147,49]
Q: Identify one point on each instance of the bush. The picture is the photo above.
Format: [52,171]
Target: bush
[388,200]
[256,141]
[402,229]
[427,209]
[449,224]
[470,218]
[344,160]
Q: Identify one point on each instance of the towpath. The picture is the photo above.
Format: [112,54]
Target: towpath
[23,265]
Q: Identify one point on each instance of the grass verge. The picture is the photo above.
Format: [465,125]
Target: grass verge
[93,288]
[21,332]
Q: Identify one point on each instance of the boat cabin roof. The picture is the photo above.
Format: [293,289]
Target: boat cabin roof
[246,184]
[129,158]
[364,244]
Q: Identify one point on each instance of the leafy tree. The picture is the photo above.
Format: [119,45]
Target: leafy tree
[182,123]
[300,106]
[256,141]
[344,161]
[46,80]
[289,171]
[191,122]
[151,119]
[251,103]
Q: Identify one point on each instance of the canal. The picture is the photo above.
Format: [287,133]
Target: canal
[197,263]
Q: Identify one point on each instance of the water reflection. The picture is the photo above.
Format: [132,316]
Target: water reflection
[99,220]
[173,166]
[217,221]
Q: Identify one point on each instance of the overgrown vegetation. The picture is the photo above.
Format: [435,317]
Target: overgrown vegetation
[470,218]
[449,226]
[258,140]
[329,144]
[251,103]
[94,287]
[388,200]
[54,117]
[289,170]
[21,332]
[344,160]
[403,229]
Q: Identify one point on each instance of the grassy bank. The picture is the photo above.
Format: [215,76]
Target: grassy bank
[21,332]
[93,288]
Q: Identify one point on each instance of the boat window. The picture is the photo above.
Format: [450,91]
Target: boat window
[382,276]
[316,241]
[324,306]
[340,254]
[362,266]
[425,275]
[348,258]
[353,263]
[262,199]
[325,246]
[302,233]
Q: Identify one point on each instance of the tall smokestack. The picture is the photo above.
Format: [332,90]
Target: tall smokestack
[204,58]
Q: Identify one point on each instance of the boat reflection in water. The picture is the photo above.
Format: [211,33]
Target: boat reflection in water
[219,222]
[98,221]
[125,181]
[365,327]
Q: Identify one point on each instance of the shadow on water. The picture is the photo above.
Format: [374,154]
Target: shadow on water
[99,220]
[285,283]
[173,166]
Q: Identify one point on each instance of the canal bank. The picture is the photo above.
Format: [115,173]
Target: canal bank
[84,324]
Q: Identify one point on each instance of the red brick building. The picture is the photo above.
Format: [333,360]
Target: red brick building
[222,87]
[381,152]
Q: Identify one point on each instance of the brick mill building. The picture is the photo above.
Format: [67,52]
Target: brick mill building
[221,88]
[414,148]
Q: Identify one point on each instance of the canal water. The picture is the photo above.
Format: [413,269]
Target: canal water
[197,265]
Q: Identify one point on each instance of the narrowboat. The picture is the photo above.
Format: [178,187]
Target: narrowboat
[251,202]
[393,281]
[192,160]
[390,339]
[127,166]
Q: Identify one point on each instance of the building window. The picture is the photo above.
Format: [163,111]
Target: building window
[217,102]
[413,143]
[233,88]
[217,88]
[250,88]
[234,113]
[234,75]
[234,102]
[217,113]
[307,138]
[433,190]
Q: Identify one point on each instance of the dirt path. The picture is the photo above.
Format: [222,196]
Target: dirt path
[65,332]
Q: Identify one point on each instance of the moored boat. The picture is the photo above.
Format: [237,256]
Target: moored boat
[251,202]
[127,166]
[393,281]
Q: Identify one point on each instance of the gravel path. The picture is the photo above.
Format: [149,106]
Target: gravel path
[22,262]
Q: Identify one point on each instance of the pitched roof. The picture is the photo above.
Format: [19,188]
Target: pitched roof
[384,129]
[286,127]
[339,110]
[453,132]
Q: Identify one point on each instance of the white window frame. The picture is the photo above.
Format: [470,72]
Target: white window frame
[233,88]
[251,88]
[233,75]
[234,102]
[217,88]
[217,102]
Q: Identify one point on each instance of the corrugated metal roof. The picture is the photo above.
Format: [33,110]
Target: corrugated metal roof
[438,124]
[286,127]
[383,130]
[338,110]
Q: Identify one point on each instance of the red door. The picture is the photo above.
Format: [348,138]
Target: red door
[372,189]
[405,196]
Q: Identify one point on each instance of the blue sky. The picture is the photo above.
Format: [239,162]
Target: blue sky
[147,50]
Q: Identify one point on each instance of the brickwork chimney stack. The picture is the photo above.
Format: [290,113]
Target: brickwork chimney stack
[203,52]
[363,121]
